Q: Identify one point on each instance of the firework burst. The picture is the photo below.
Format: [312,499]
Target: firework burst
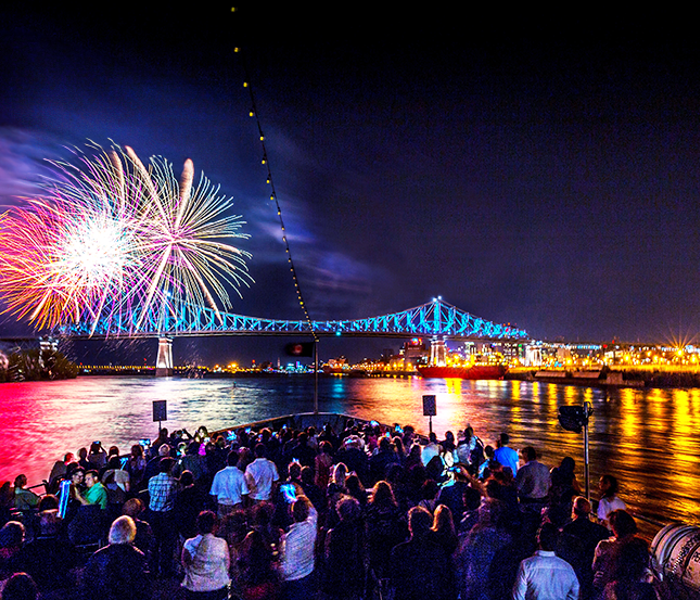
[112,237]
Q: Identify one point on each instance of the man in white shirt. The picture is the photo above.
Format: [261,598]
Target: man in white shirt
[229,486]
[545,576]
[260,475]
[533,480]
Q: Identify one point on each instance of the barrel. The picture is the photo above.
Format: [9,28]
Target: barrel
[675,553]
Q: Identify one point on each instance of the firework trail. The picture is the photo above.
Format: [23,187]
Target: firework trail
[113,239]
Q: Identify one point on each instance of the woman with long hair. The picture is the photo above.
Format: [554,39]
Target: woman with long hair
[609,501]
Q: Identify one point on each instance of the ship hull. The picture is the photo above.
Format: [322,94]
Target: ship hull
[475,372]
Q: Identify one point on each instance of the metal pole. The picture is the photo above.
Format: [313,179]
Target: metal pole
[316,376]
[586,406]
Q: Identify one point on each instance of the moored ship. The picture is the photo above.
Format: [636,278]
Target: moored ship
[467,372]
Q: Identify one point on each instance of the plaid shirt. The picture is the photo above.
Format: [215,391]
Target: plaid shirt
[162,489]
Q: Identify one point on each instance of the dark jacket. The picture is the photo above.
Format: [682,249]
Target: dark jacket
[117,572]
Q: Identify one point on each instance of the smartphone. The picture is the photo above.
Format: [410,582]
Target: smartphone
[124,460]
[231,437]
[145,443]
[289,492]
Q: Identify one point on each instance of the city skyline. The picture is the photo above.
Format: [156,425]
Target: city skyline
[545,178]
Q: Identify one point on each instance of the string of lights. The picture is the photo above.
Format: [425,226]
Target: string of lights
[273,193]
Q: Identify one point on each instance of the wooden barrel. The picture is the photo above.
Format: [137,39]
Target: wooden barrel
[675,553]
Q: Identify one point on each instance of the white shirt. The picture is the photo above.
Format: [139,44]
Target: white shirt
[607,505]
[210,563]
[260,475]
[229,486]
[297,548]
[544,576]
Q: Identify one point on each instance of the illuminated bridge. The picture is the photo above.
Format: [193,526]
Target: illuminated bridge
[436,318]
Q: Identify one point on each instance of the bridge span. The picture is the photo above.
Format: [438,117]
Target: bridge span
[436,318]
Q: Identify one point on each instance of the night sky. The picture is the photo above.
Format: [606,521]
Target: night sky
[530,171]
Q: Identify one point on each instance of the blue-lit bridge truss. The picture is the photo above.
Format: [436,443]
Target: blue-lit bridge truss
[436,318]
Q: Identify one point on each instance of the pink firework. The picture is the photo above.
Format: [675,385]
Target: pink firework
[112,237]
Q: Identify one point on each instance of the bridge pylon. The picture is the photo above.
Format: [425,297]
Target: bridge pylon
[164,362]
[438,352]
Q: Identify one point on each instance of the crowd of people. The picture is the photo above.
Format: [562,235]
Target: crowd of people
[358,511]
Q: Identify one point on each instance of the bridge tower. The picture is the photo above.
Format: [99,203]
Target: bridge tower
[164,362]
[438,352]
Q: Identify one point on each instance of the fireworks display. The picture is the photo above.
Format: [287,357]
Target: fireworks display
[111,237]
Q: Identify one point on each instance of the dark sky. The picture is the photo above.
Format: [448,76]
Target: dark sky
[531,170]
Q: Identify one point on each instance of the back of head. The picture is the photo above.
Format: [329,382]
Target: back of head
[11,534]
[294,470]
[20,587]
[122,531]
[504,439]
[260,451]
[133,507]
[419,521]
[382,495]
[186,478]
[232,458]
[166,465]
[164,450]
[529,453]
[581,507]
[206,521]
[547,536]
[348,509]
[622,523]
[301,509]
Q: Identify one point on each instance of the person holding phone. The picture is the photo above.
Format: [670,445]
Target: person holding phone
[297,558]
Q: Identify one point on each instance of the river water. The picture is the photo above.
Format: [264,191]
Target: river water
[648,438]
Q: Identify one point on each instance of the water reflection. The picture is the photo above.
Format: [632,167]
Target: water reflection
[645,437]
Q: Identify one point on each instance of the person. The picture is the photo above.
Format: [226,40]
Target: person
[97,457]
[48,557]
[609,501]
[229,487]
[631,572]
[258,577]
[481,559]
[545,576]
[443,529]
[505,455]
[379,463]
[322,464]
[533,480]
[119,570]
[95,494]
[578,542]
[144,540]
[12,535]
[430,450]
[297,551]
[345,553]
[20,586]
[261,475]
[206,561]
[136,465]
[624,528]
[162,489]
[421,568]
[24,499]
[386,527]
